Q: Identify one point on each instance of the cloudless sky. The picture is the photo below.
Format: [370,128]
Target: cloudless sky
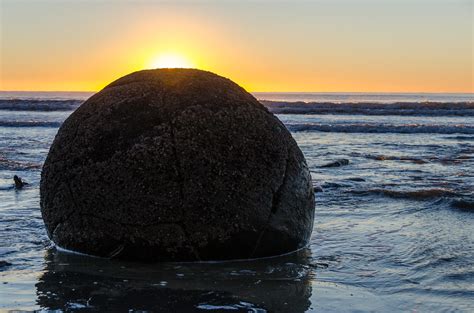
[326,45]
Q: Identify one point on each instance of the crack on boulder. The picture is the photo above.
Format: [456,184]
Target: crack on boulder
[180,175]
[186,234]
[116,252]
[54,230]
[67,216]
[72,197]
[277,194]
[276,197]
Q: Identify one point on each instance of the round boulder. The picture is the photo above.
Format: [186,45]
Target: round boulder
[176,165]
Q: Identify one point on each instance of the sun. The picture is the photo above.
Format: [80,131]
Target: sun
[171,60]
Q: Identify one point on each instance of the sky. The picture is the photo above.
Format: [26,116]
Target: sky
[287,46]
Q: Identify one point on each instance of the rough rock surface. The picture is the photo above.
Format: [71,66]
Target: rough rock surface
[176,165]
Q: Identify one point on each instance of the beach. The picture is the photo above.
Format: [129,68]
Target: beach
[392,230]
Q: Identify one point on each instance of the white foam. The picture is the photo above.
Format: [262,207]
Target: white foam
[61,249]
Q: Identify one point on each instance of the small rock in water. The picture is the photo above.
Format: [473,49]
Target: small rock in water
[317,188]
[333,185]
[4,264]
[19,183]
[356,179]
[337,163]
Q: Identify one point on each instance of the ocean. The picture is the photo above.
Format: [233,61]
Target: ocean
[393,229]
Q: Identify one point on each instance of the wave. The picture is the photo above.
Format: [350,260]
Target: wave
[286,107]
[29,124]
[422,194]
[463,204]
[10,165]
[417,160]
[382,157]
[39,105]
[381,128]
[443,197]
[373,108]
[460,138]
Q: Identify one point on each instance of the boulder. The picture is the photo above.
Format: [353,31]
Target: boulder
[176,165]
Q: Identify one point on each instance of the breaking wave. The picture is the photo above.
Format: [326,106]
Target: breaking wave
[39,105]
[286,107]
[463,204]
[418,160]
[422,194]
[10,165]
[440,196]
[460,138]
[381,128]
[29,124]
[368,108]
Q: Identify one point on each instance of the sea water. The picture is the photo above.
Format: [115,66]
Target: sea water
[393,229]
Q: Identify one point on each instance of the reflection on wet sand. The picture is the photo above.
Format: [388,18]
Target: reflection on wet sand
[76,282]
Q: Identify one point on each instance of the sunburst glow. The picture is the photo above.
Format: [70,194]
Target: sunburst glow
[171,60]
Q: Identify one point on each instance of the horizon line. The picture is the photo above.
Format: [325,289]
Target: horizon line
[288,92]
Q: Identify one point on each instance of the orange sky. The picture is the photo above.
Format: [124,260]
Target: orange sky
[359,46]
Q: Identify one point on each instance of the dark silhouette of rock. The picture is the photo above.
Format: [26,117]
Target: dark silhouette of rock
[337,163]
[176,164]
[19,183]
[358,179]
[318,188]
